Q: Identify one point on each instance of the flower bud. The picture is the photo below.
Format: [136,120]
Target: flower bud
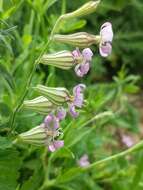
[80,39]
[62,59]
[86,9]
[40,105]
[57,96]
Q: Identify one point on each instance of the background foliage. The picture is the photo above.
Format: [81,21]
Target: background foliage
[113,84]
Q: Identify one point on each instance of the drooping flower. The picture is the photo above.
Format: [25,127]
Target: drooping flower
[61,113]
[56,145]
[79,39]
[83,61]
[52,124]
[84,161]
[106,34]
[66,60]
[44,134]
[78,99]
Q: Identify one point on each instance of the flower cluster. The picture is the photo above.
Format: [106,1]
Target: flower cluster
[54,98]
[55,102]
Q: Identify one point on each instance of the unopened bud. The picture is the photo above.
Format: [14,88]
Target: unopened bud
[40,105]
[86,9]
[80,39]
[63,60]
[58,96]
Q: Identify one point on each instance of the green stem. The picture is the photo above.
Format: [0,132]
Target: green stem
[133,149]
[18,106]
[96,117]
[138,173]
[56,26]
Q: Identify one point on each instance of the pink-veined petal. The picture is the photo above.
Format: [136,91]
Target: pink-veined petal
[105,49]
[61,113]
[76,53]
[87,54]
[85,68]
[78,100]
[72,111]
[51,122]
[78,70]
[56,145]
[84,161]
[106,32]
[79,89]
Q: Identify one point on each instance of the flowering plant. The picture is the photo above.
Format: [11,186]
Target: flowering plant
[61,125]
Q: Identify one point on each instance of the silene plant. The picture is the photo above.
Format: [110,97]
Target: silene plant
[55,103]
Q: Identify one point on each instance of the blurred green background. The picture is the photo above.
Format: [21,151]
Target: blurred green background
[114,83]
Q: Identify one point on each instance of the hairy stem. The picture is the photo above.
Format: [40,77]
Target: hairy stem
[21,99]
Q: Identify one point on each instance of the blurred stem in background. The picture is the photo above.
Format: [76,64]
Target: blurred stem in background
[133,149]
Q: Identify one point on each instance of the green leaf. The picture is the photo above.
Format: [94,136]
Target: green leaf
[4,109]
[48,4]
[7,76]
[69,175]
[131,88]
[76,135]
[138,175]
[10,163]
[5,143]
[63,152]
[74,25]
[34,181]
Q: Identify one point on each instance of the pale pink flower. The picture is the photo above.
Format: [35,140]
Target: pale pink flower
[84,161]
[106,34]
[78,99]
[51,123]
[127,140]
[83,61]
